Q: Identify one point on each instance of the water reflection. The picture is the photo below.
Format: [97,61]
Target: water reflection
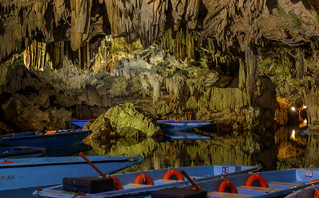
[270,150]
[312,155]
[291,144]
[243,149]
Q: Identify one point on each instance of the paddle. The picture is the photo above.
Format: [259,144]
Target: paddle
[190,180]
[88,161]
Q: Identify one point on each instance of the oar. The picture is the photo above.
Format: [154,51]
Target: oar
[190,180]
[88,161]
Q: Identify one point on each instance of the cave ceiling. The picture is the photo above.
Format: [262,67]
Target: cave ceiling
[233,23]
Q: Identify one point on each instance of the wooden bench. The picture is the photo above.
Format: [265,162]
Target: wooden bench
[226,194]
[258,188]
[167,180]
[282,183]
[131,185]
[195,177]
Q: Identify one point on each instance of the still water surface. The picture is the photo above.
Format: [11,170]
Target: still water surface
[270,150]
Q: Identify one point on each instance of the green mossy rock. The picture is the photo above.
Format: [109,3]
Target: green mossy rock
[129,116]
[127,121]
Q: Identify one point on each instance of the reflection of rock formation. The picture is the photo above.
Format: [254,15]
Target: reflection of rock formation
[243,150]
[291,150]
[312,155]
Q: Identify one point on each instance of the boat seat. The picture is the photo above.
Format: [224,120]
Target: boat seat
[226,194]
[257,188]
[282,183]
[195,177]
[131,185]
[166,180]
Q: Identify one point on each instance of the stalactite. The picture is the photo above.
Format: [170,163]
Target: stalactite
[251,64]
[80,22]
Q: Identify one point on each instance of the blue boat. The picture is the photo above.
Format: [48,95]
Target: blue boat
[181,125]
[81,122]
[45,138]
[21,152]
[312,191]
[47,171]
[257,185]
[142,183]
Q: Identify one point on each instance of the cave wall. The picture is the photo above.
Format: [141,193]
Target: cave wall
[223,60]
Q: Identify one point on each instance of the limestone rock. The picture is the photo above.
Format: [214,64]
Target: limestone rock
[126,120]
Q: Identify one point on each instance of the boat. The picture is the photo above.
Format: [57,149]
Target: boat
[21,152]
[45,138]
[80,122]
[140,183]
[181,125]
[47,171]
[277,183]
[311,191]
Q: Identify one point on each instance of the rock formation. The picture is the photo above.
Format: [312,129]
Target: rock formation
[127,120]
[229,61]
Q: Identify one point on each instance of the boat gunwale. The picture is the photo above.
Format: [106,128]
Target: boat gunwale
[43,135]
[49,163]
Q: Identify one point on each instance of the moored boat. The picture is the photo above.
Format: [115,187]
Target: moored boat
[45,138]
[81,122]
[21,152]
[142,183]
[257,185]
[48,171]
[311,192]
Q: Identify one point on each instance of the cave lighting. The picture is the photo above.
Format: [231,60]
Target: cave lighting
[305,121]
[293,134]
[293,108]
[304,107]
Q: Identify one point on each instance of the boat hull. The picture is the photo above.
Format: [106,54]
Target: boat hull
[33,172]
[36,139]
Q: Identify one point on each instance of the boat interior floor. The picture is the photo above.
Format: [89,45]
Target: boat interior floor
[156,182]
[247,191]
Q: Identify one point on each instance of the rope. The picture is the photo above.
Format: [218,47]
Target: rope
[142,176]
